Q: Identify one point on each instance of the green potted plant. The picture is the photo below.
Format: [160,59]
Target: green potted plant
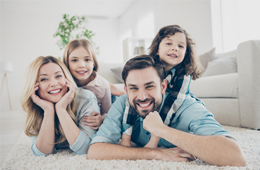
[71,28]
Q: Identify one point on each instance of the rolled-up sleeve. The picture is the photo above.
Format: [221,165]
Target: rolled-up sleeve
[34,148]
[86,104]
[196,119]
[111,129]
[81,144]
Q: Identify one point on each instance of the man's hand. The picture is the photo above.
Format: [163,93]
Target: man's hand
[175,154]
[153,123]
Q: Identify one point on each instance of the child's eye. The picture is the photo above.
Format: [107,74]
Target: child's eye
[74,60]
[87,59]
[168,43]
[58,76]
[181,46]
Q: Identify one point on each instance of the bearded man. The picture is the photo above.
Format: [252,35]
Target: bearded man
[193,132]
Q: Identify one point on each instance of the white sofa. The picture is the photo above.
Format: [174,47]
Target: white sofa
[234,99]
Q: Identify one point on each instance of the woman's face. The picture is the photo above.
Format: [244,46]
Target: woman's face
[81,64]
[52,84]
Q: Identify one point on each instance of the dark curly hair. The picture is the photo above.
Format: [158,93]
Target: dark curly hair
[189,65]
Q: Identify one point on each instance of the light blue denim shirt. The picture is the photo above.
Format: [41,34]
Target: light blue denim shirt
[86,104]
[191,117]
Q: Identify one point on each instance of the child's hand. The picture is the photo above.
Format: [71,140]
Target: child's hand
[67,98]
[94,121]
[44,104]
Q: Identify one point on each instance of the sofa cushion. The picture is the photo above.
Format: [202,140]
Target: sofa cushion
[120,86]
[106,72]
[225,85]
[219,66]
[118,73]
[226,54]
[207,57]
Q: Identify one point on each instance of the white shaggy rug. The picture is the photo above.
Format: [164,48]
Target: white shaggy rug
[21,157]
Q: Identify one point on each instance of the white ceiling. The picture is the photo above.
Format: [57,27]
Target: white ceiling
[91,8]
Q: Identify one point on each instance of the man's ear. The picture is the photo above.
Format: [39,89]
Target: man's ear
[164,86]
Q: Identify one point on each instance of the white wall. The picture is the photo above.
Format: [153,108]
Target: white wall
[193,16]
[137,21]
[27,29]
[239,22]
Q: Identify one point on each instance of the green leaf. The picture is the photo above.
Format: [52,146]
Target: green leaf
[66,28]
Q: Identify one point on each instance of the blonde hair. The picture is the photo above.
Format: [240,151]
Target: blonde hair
[35,113]
[72,45]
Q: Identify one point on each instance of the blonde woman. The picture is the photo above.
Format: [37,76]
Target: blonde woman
[55,108]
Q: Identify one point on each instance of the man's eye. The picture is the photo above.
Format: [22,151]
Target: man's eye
[133,88]
[149,87]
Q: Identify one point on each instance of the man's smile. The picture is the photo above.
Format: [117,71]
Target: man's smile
[144,105]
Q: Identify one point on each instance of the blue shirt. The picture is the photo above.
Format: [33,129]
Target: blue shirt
[86,104]
[191,117]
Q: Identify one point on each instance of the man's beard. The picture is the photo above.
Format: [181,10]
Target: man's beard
[143,113]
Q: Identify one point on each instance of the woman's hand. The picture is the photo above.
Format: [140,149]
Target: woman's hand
[67,98]
[94,121]
[44,104]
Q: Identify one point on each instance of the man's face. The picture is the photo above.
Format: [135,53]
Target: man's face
[144,90]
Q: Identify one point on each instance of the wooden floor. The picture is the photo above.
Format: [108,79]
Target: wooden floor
[12,125]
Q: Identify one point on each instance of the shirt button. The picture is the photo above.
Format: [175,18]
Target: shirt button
[147,133]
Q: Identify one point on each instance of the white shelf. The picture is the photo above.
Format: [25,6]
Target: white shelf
[135,46]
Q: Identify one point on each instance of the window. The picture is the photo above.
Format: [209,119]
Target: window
[233,22]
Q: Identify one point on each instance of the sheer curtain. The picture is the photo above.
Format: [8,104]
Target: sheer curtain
[233,22]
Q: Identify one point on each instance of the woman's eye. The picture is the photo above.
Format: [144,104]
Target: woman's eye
[43,79]
[58,76]
[87,60]
[168,43]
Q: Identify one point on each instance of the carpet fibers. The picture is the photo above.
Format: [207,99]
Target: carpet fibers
[21,157]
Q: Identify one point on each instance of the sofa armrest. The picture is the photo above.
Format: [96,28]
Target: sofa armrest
[248,61]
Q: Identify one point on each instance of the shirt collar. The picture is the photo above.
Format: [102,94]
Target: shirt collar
[95,81]
[172,71]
